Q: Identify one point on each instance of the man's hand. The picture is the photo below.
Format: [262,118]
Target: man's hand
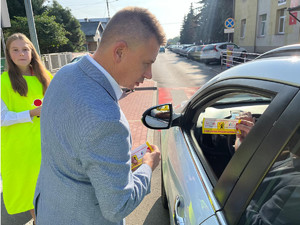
[152,158]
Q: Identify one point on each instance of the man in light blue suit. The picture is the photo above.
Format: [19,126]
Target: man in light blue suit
[85,176]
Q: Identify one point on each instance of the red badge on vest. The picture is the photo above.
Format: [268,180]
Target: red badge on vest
[37,102]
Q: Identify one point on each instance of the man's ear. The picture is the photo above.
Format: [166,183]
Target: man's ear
[120,49]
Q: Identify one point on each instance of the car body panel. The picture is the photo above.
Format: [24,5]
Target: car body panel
[195,52]
[176,164]
[290,50]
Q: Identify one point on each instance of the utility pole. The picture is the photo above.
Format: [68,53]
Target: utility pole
[5,21]
[31,25]
[107,8]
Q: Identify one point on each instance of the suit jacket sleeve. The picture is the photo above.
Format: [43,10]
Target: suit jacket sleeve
[107,162]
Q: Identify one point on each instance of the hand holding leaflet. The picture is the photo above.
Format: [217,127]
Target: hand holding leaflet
[138,154]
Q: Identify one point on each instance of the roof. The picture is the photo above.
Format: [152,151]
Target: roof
[278,69]
[102,20]
[89,28]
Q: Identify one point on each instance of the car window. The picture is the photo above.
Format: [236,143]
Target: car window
[217,144]
[277,199]
[223,46]
[208,47]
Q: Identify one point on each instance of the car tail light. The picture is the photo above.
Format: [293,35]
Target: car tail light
[215,48]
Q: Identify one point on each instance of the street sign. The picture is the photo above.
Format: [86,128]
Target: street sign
[229,23]
[226,31]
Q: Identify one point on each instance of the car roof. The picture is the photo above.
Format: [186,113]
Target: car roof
[288,50]
[279,69]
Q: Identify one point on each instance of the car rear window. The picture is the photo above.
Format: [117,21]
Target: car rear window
[208,47]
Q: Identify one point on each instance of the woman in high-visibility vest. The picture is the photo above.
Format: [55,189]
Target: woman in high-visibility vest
[22,91]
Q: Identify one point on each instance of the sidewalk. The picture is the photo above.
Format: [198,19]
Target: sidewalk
[134,105]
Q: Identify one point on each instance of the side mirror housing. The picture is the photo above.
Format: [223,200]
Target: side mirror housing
[158,117]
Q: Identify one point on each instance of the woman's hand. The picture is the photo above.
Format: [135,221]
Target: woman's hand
[35,112]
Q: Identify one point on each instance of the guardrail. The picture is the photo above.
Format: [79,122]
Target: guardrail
[236,58]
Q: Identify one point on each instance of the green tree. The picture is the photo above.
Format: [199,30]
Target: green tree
[65,23]
[212,16]
[76,37]
[51,35]
[173,41]
[188,30]
[17,7]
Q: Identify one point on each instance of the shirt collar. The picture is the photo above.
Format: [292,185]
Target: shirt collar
[117,89]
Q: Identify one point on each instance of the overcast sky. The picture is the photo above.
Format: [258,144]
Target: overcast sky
[170,13]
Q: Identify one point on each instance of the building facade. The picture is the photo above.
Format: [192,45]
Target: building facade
[262,25]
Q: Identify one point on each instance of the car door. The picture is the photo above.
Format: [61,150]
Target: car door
[193,165]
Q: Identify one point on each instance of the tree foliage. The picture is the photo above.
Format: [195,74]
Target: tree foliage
[208,23]
[75,36]
[188,30]
[51,35]
[57,29]
[17,7]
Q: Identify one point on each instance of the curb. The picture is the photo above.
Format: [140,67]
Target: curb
[150,132]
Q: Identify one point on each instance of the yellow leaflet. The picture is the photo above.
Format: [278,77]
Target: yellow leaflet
[219,126]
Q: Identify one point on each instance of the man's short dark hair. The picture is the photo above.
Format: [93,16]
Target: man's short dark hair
[133,25]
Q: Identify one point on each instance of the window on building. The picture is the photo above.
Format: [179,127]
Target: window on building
[281,2]
[281,21]
[243,28]
[262,26]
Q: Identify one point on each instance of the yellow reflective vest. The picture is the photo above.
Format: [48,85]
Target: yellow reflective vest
[20,146]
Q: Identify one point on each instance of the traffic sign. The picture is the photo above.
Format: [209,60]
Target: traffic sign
[226,31]
[229,23]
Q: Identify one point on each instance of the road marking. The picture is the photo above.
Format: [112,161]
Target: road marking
[175,95]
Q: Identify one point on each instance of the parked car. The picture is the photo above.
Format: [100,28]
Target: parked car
[195,52]
[162,49]
[206,177]
[183,49]
[212,52]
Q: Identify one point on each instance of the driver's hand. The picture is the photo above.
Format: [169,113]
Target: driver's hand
[246,124]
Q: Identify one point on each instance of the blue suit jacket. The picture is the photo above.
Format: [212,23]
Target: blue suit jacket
[85,176]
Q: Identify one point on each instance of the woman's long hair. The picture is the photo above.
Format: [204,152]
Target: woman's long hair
[17,80]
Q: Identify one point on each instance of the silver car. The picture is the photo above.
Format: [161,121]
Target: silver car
[208,178]
[213,52]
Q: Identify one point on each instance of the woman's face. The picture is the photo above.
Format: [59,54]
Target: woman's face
[20,53]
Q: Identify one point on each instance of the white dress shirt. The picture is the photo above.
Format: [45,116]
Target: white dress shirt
[117,89]
[9,117]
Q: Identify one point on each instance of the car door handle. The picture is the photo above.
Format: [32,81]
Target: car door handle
[177,219]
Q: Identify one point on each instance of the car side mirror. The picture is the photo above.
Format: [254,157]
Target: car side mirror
[158,117]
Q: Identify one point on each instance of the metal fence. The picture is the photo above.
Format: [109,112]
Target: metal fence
[236,58]
[55,61]
[52,61]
